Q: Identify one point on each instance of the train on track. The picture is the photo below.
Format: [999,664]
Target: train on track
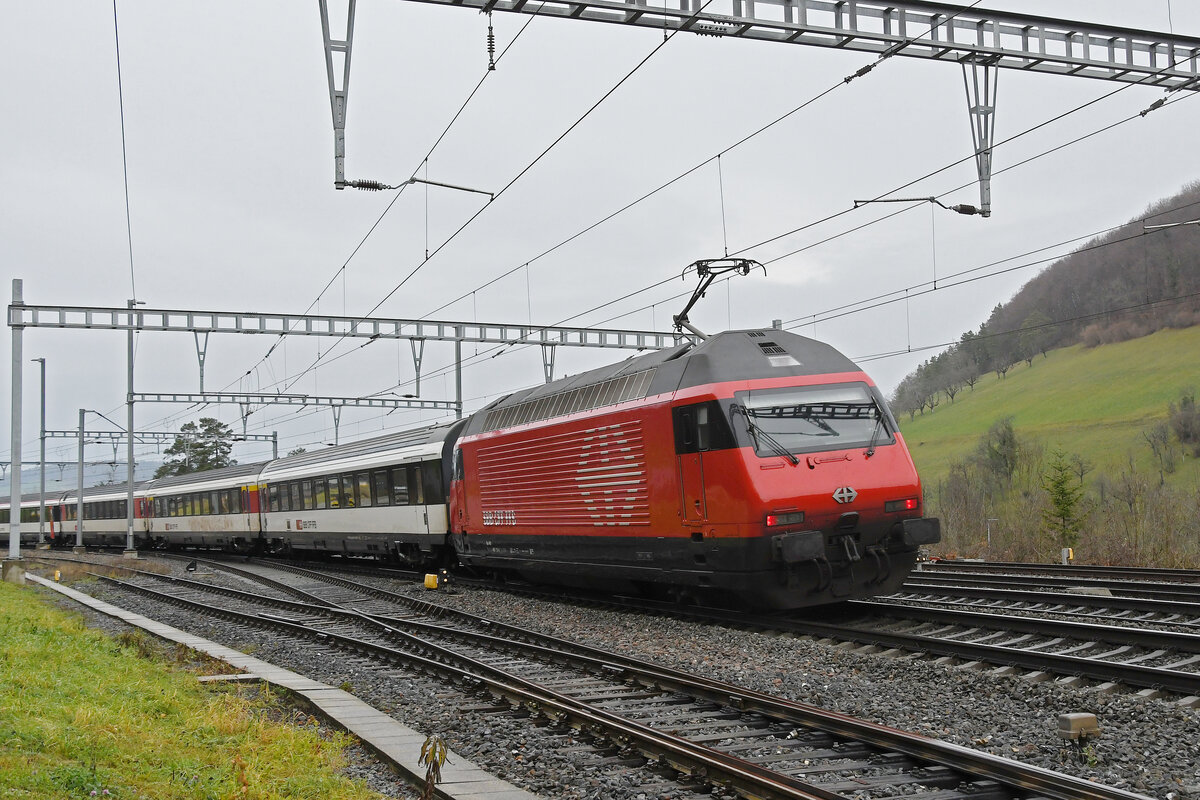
[755,467]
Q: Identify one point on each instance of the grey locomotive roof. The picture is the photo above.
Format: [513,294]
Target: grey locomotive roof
[235,471]
[728,356]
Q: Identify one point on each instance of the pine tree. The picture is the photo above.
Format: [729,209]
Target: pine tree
[1063,518]
[198,448]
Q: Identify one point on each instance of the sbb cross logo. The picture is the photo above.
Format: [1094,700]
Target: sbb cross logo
[845,494]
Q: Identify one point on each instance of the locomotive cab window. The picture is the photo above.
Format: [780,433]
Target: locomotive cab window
[701,427]
[804,419]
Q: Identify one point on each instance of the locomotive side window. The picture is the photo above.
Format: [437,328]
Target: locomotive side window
[700,428]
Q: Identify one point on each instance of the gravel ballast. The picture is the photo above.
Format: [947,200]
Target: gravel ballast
[1150,746]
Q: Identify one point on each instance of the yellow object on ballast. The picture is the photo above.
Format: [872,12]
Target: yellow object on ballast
[57,575]
[431,581]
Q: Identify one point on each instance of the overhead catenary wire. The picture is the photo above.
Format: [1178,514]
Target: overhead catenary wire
[715,157]
[856,228]
[509,185]
[124,156]
[917,180]
[493,350]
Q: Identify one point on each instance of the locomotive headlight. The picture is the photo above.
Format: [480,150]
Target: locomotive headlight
[794,518]
[907,504]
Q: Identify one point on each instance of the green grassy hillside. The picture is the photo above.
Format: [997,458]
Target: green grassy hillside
[1092,402]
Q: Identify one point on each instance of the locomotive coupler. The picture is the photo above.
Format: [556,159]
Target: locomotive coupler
[850,547]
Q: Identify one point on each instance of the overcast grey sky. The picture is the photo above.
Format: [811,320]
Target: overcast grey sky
[230,165]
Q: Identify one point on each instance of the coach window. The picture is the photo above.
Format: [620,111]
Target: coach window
[306,495]
[348,494]
[363,482]
[123,509]
[235,501]
[319,493]
[285,497]
[214,502]
[204,504]
[383,492]
[223,501]
[335,492]
[273,497]
[431,479]
[399,487]
[294,491]
[416,491]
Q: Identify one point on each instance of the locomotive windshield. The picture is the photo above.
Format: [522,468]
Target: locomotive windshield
[807,418]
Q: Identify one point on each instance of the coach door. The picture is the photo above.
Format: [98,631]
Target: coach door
[691,433]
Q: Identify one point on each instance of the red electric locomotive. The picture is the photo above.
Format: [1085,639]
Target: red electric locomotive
[758,467]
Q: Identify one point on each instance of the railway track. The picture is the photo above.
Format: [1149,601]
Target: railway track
[1072,571]
[1113,586]
[1044,640]
[1038,633]
[711,735]
[1179,615]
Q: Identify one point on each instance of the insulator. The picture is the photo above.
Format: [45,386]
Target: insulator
[491,43]
[369,186]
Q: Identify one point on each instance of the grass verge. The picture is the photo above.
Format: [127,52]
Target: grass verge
[86,715]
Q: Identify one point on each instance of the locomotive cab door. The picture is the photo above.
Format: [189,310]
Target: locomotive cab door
[692,431]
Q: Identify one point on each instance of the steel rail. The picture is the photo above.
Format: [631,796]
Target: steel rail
[943,753]
[1088,570]
[1115,634]
[1184,683]
[1080,604]
[980,765]
[1126,588]
[682,755]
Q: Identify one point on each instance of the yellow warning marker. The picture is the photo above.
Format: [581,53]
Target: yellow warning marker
[431,581]
[57,575]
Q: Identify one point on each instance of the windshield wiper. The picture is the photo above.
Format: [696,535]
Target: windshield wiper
[757,432]
[875,433]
